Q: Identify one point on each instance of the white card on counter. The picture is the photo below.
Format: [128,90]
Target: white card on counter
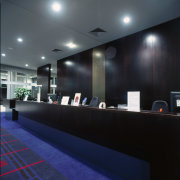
[77,98]
[134,100]
[178,102]
[65,100]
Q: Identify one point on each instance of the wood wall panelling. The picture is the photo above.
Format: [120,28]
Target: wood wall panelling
[43,78]
[131,64]
[74,75]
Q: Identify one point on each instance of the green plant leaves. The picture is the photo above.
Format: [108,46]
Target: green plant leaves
[20,93]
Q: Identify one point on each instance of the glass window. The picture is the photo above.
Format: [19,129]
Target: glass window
[21,77]
[4,75]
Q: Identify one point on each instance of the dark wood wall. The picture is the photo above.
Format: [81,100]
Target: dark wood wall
[43,78]
[131,64]
[152,68]
[74,75]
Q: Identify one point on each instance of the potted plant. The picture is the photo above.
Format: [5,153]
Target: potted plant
[20,93]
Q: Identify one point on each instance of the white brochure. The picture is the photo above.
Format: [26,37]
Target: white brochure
[77,98]
[65,100]
[178,102]
[133,100]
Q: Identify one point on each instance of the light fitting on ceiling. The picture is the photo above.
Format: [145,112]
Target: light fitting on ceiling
[126,19]
[3,54]
[56,6]
[71,45]
[43,57]
[26,65]
[19,39]
[51,69]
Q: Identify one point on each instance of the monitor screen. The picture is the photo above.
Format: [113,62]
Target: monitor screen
[175,101]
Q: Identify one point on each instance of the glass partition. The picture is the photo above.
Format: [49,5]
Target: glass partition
[13,79]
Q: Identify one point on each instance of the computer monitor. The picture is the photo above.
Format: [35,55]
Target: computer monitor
[53,97]
[175,102]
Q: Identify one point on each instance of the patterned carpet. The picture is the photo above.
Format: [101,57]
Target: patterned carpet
[66,162]
[19,162]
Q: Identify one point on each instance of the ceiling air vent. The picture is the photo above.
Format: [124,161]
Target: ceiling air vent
[97,32]
[56,50]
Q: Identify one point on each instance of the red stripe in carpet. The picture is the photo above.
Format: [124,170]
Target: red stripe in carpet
[6,135]
[14,151]
[21,168]
[7,142]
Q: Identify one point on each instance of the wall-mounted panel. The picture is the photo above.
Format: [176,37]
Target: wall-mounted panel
[74,75]
[130,69]
[43,78]
[98,73]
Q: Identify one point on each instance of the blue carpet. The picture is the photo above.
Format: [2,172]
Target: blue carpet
[100,164]
[19,162]
[71,166]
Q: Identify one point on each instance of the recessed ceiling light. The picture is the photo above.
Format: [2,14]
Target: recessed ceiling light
[26,65]
[71,45]
[3,54]
[19,39]
[43,57]
[56,6]
[127,20]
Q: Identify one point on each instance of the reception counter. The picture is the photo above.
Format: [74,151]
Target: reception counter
[154,137]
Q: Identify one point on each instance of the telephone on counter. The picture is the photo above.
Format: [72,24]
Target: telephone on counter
[50,100]
[102,105]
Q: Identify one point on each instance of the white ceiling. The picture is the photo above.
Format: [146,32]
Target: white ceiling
[43,30]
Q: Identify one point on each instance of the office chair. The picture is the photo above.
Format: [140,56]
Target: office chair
[94,102]
[160,106]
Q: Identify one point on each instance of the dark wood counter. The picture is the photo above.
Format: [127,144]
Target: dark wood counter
[153,137]
[9,103]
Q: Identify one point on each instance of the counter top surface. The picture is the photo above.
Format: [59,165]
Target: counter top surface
[115,109]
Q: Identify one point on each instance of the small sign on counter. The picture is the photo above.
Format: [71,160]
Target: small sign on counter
[133,100]
[178,102]
[77,98]
[65,100]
